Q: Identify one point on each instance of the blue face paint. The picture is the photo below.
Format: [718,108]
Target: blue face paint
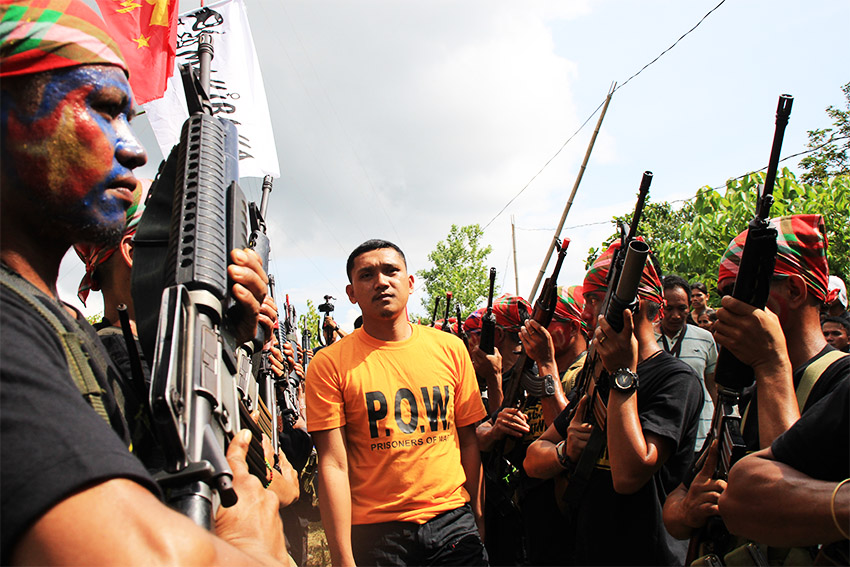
[76,148]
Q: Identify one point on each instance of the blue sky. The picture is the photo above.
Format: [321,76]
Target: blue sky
[396,119]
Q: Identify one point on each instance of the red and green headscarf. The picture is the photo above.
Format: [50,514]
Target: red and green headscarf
[473,322]
[801,250]
[45,35]
[93,256]
[596,279]
[506,308]
[570,305]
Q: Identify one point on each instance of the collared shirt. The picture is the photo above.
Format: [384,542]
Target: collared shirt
[698,351]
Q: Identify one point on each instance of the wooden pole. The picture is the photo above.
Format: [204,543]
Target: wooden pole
[530,297]
[513,240]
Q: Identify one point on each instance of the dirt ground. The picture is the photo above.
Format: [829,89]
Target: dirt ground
[318,554]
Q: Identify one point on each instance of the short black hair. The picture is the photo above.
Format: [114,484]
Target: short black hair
[843,321]
[700,286]
[368,246]
[672,281]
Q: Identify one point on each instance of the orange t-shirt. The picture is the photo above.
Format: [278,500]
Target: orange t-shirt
[401,403]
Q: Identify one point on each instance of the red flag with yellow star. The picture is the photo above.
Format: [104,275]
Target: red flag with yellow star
[146,30]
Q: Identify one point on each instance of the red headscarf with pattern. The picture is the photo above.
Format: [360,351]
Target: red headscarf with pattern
[45,35]
[508,314]
[596,279]
[801,250]
[570,305]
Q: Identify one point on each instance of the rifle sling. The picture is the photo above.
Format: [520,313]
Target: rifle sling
[807,383]
[80,354]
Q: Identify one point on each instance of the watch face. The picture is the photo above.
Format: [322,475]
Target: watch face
[624,380]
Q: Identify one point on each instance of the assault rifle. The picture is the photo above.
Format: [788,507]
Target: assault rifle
[459,328]
[624,276]
[196,214]
[289,407]
[752,285]
[488,320]
[305,346]
[434,314]
[446,325]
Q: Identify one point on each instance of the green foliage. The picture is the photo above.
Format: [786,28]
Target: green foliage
[690,241]
[459,266]
[93,319]
[310,321]
[829,159]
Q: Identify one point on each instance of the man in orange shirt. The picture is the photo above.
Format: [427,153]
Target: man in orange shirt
[392,408]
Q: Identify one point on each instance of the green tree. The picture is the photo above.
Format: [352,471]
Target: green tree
[690,241]
[310,321]
[829,158]
[459,266]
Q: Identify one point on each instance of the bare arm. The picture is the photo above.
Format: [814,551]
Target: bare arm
[540,348]
[775,504]
[470,459]
[489,367]
[756,339]
[335,493]
[131,523]
[634,456]
[540,458]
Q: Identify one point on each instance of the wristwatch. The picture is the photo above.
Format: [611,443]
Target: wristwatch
[548,386]
[623,380]
[564,459]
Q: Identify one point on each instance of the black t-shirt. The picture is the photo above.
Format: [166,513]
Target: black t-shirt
[52,443]
[627,529]
[146,445]
[829,379]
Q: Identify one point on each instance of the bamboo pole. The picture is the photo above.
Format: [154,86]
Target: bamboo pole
[557,236]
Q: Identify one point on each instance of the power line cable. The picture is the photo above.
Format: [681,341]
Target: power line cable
[597,110]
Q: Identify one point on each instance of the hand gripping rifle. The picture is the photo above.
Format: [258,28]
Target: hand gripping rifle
[521,379]
[488,320]
[752,285]
[196,214]
[622,285]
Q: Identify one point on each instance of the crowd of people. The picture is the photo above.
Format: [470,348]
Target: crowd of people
[414,437]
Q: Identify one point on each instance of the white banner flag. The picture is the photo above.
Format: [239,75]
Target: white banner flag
[236,83]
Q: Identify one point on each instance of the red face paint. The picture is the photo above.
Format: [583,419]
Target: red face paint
[67,151]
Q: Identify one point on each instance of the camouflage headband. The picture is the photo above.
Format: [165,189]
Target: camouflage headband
[596,279]
[570,305]
[801,250]
[93,256]
[508,314]
[45,35]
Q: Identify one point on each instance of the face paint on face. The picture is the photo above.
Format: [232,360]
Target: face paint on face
[73,152]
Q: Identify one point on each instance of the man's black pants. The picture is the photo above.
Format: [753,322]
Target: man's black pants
[450,538]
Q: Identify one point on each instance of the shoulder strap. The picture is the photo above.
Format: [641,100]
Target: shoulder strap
[812,373]
[78,360]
